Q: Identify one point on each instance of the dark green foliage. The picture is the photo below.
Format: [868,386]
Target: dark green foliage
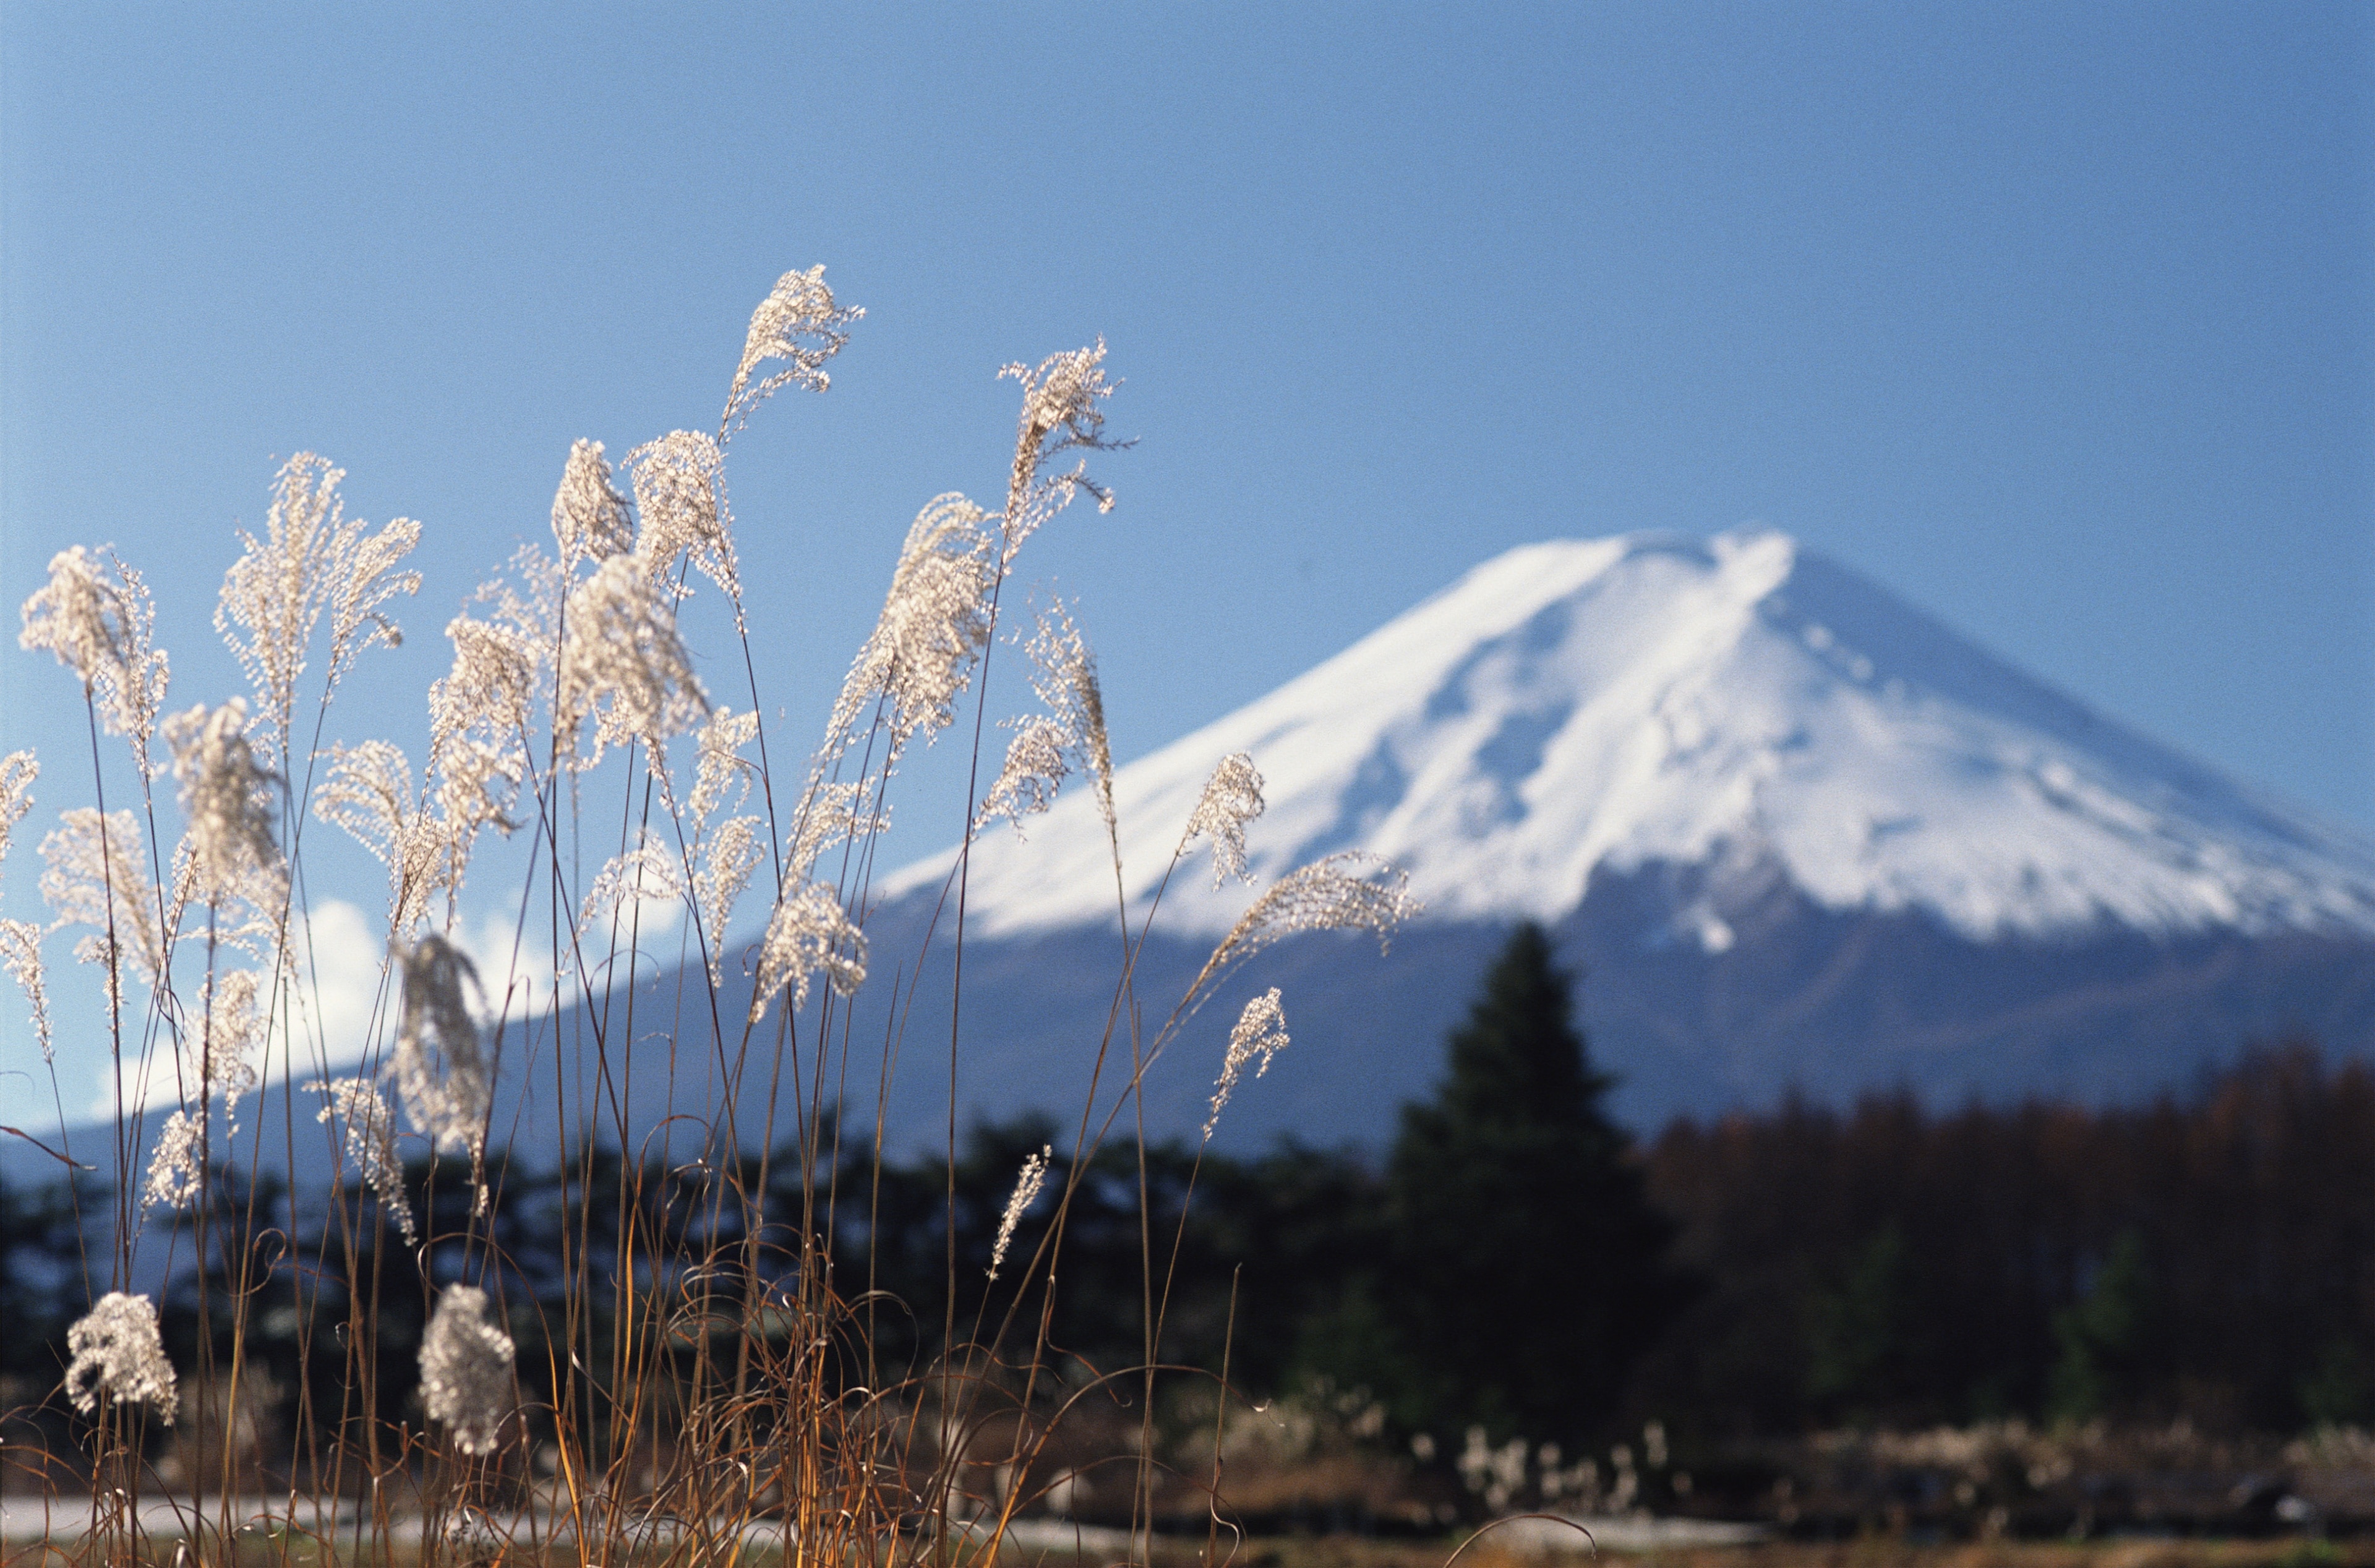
[1528,1269]
[2105,1337]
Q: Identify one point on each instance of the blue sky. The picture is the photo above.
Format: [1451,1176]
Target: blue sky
[2059,321]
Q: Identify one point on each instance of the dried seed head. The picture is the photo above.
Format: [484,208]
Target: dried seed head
[1261,1031]
[622,664]
[369,1124]
[227,796]
[466,1370]
[311,557]
[1072,732]
[441,1073]
[96,616]
[17,772]
[1342,891]
[680,495]
[1027,1183]
[649,872]
[809,931]
[935,623]
[590,515]
[718,761]
[1062,409]
[797,322]
[733,853]
[117,1352]
[20,955]
[1231,797]
[93,876]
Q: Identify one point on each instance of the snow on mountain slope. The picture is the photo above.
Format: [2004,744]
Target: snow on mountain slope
[1739,704]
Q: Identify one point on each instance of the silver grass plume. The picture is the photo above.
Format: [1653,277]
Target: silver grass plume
[368,1124]
[368,791]
[116,1352]
[227,798]
[20,941]
[1231,797]
[229,1027]
[96,616]
[466,1370]
[480,711]
[935,623]
[646,872]
[622,664]
[1347,891]
[733,850]
[590,515]
[1046,747]
[1061,412]
[1027,1183]
[799,323]
[808,932]
[718,761]
[311,557]
[447,1094]
[93,875]
[1261,1031]
[680,497]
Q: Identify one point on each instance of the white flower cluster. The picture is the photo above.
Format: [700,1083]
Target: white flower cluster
[466,1370]
[117,1352]
[96,616]
[1347,891]
[809,931]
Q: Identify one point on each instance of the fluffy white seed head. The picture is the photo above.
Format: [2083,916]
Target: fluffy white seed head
[799,323]
[367,1123]
[96,616]
[17,772]
[20,955]
[1231,797]
[440,1070]
[935,623]
[1261,1031]
[808,932]
[1348,891]
[590,515]
[1072,731]
[93,876]
[226,797]
[649,872]
[368,791]
[1062,409]
[680,496]
[176,1167]
[117,1352]
[311,559]
[466,1370]
[718,763]
[622,664]
[1033,1176]
[734,848]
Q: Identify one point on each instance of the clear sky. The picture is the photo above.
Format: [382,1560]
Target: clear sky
[2059,321]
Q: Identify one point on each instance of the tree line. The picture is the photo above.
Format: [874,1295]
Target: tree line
[1513,1261]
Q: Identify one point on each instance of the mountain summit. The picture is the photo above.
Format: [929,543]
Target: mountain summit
[1740,708]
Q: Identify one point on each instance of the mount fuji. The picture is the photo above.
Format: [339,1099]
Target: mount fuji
[1795,834]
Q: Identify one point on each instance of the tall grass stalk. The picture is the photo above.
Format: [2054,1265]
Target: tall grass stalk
[705,1384]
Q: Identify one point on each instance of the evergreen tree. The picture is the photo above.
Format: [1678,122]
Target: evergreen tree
[1528,1269]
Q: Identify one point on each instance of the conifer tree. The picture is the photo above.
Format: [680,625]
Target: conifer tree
[1530,1268]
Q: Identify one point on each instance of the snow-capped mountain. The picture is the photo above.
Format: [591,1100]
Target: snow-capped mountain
[1738,706]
